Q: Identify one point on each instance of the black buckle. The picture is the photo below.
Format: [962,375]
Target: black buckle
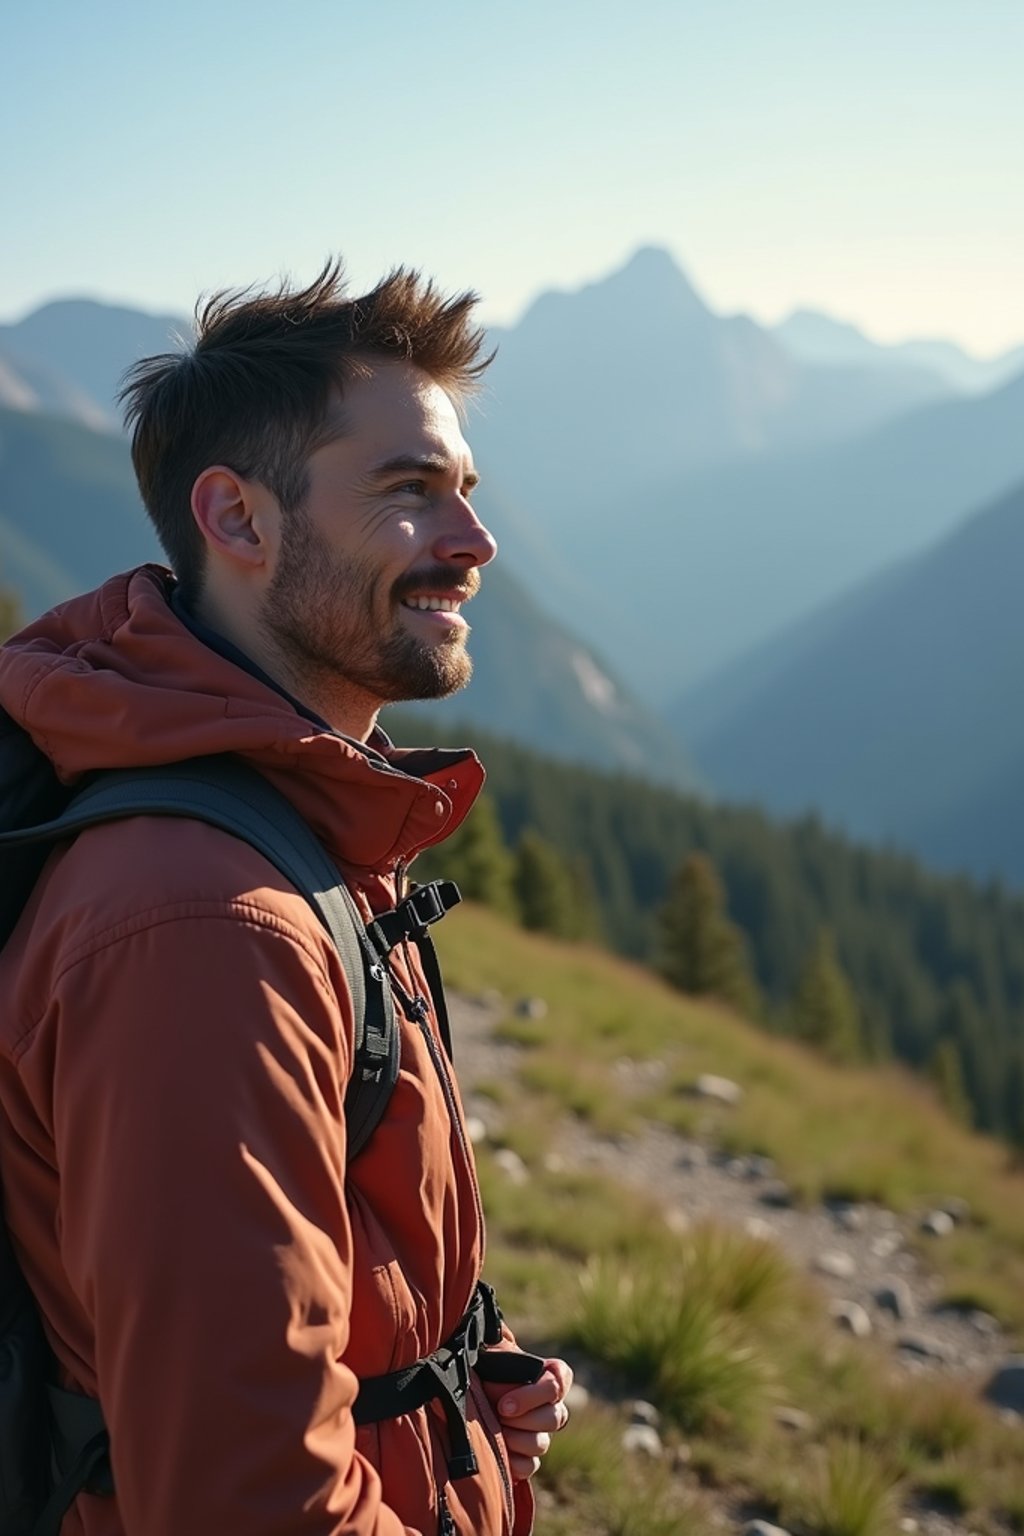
[412,917]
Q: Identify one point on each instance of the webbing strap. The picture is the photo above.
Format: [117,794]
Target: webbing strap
[226,793]
[445,1376]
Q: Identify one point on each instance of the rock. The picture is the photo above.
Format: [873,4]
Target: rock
[937,1224]
[476,1130]
[643,1440]
[692,1157]
[722,1089]
[852,1218]
[577,1397]
[885,1246]
[736,1168]
[896,1297]
[759,1167]
[763,1528]
[512,1165]
[677,1220]
[531,1008]
[923,1347]
[957,1209]
[777,1195]
[908,1525]
[795,1419]
[756,1226]
[984,1323]
[1006,1388]
[836,1264]
[853,1317]
[641,1412]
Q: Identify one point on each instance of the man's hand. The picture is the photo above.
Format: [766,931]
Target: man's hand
[531,1414]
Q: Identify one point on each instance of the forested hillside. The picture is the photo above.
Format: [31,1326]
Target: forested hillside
[935,964]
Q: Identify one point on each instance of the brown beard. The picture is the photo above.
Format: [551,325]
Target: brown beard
[321,614]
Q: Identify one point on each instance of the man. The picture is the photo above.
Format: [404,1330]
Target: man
[178,1031]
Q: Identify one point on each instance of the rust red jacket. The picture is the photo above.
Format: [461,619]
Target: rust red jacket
[174,1048]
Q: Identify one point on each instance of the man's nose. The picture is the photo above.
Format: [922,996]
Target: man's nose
[464,538]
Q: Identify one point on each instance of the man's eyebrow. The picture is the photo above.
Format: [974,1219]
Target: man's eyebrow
[419,464]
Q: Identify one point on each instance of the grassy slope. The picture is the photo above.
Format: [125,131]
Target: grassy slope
[878,1446]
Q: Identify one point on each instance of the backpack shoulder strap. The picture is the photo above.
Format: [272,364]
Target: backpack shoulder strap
[226,793]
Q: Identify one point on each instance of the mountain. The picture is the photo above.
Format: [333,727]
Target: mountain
[70,516]
[895,713]
[82,348]
[819,339]
[713,564]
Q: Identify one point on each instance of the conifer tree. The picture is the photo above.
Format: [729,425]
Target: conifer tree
[824,1011]
[476,858]
[946,1073]
[11,617]
[544,888]
[702,952]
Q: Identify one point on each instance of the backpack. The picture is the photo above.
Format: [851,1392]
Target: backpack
[53,1443]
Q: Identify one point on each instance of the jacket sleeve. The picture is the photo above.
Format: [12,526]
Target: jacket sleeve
[199,1124]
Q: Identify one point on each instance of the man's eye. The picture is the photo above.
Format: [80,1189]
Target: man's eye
[411,488]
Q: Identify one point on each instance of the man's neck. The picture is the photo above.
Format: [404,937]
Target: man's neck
[326,699]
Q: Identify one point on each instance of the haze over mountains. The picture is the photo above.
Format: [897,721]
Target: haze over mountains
[691,507]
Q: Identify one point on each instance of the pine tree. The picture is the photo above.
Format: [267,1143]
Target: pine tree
[946,1073]
[476,858]
[544,888]
[11,617]
[824,1011]
[702,952]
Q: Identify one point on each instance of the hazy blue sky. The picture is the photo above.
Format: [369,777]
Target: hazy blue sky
[861,156]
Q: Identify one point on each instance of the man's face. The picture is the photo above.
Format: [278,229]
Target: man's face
[373,568]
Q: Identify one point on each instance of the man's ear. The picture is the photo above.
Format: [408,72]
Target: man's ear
[231,517]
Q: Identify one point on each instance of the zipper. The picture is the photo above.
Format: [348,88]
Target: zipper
[445,1523]
[492,1441]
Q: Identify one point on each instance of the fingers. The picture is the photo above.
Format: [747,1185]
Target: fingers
[550,1387]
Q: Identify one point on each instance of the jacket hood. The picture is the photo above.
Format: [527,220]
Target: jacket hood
[113,679]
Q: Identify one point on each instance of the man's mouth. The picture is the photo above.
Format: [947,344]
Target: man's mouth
[433,604]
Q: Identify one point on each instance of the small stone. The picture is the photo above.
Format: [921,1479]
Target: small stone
[909,1525]
[642,1412]
[923,1347]
[759,1167]
[577,1397]
[885,1246]
[958,1209]
[756,1226]
[984,1323]
[693,1157]
[531,1008]
[476,1130]
[795,1419]
[777,1195]
[677,1220]
[853,1317]
[722,1089]
[512,1166]
[1006,1388]
[937,1224]
[851,1218]
[643,1440]
[896,1297]
[836,1264]
[763,1528]
[736,1168]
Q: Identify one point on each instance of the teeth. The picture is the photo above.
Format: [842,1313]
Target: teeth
[432,604]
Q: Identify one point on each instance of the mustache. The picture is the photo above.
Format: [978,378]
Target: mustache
[438,581]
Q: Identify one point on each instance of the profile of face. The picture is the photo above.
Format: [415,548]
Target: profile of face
[374,567]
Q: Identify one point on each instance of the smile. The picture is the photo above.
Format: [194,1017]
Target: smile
[433,604]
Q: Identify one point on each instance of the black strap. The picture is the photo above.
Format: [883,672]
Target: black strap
[445,1376]
[228,794]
